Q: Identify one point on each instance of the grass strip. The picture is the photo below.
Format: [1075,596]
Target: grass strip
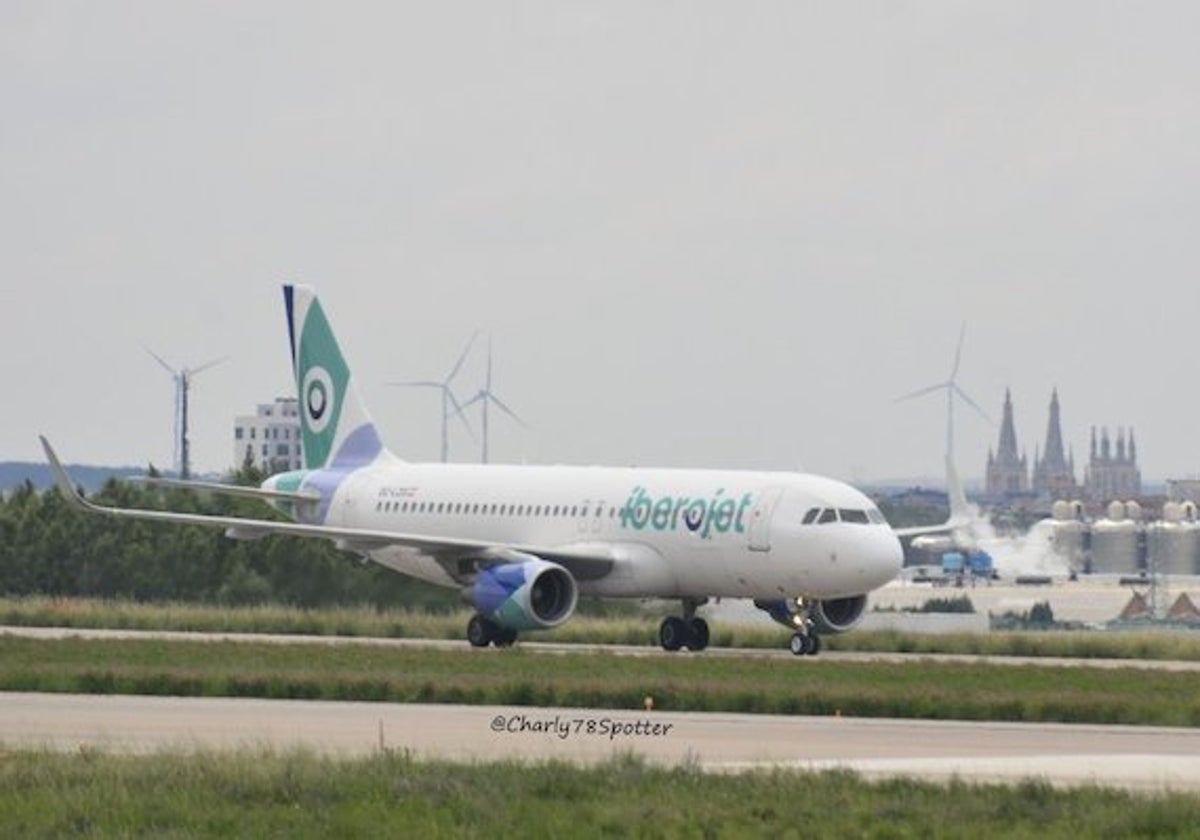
[266,794]
[628,630]
[966,691]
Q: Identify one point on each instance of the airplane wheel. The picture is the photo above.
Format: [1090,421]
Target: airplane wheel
[814,645]
[672,633]
[480,631]
[699,634]
[800,644]
[505,638]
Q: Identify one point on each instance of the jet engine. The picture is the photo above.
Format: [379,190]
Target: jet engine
[531,595]
[837,615]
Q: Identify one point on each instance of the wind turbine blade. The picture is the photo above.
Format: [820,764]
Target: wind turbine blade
[458,365]
[458,412]
[962,333]
[420,384]
[207,365]
[158,359]
[941,386]
[479,396]
[487,385]
[500,405]
[963,395]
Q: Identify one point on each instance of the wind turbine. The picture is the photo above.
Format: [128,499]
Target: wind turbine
[484,396]
[952,389]
[448,398]
[950,386]
[183,384]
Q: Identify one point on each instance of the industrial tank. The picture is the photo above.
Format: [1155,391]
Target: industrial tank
[1173,545]
[1115,541]
[1066,532]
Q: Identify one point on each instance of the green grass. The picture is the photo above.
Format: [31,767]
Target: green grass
[256,794]
[627,629]
[969,691]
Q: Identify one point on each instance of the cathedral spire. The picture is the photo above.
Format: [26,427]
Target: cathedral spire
[1053,475]
[1008,434]
[1053,453]
[1007,473]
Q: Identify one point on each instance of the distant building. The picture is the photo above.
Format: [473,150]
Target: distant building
[270,438]
[1113,474]
[1054,471]
[1007,472]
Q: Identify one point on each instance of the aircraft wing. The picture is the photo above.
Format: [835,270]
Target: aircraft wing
[227,489]
[587,562]
[920,530]
[961,513]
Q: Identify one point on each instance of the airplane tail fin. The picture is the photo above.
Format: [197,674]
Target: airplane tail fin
[336,429]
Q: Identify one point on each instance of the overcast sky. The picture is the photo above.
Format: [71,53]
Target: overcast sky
[701,234]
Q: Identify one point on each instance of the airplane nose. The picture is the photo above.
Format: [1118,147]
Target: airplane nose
[887,558]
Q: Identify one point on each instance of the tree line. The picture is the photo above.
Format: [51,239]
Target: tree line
[49,548]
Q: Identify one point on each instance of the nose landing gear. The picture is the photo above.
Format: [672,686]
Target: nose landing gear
[805,644]
[794,615]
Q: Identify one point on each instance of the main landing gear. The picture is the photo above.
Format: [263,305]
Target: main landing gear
[794,615]
[689,632]
[482,632]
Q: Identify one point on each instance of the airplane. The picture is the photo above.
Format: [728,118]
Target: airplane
[522,543]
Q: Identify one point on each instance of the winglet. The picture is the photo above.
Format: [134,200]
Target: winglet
[69,493]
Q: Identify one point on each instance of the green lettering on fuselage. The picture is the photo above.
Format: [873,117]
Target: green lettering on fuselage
[719,514]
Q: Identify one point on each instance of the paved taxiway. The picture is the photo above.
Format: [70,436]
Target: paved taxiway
[1133,757]
[615,650]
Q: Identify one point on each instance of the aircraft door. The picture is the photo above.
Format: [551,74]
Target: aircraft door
[759,530]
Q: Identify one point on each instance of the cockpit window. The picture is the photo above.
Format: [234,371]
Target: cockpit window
[854,515]
[876,516]
[828,515]
[811,516]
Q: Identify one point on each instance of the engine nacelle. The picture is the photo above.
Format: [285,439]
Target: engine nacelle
[837,615]
[531,595]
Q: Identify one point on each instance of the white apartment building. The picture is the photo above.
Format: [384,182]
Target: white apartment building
[270,437]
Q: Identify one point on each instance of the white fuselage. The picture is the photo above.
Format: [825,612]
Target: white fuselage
[674,533]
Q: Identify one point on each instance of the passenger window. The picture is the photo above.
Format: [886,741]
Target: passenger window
[828,515]
[811,516]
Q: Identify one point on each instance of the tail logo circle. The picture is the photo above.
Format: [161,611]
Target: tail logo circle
[317,389]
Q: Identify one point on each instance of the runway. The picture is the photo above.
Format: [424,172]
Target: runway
[1140,758]
[615,650]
